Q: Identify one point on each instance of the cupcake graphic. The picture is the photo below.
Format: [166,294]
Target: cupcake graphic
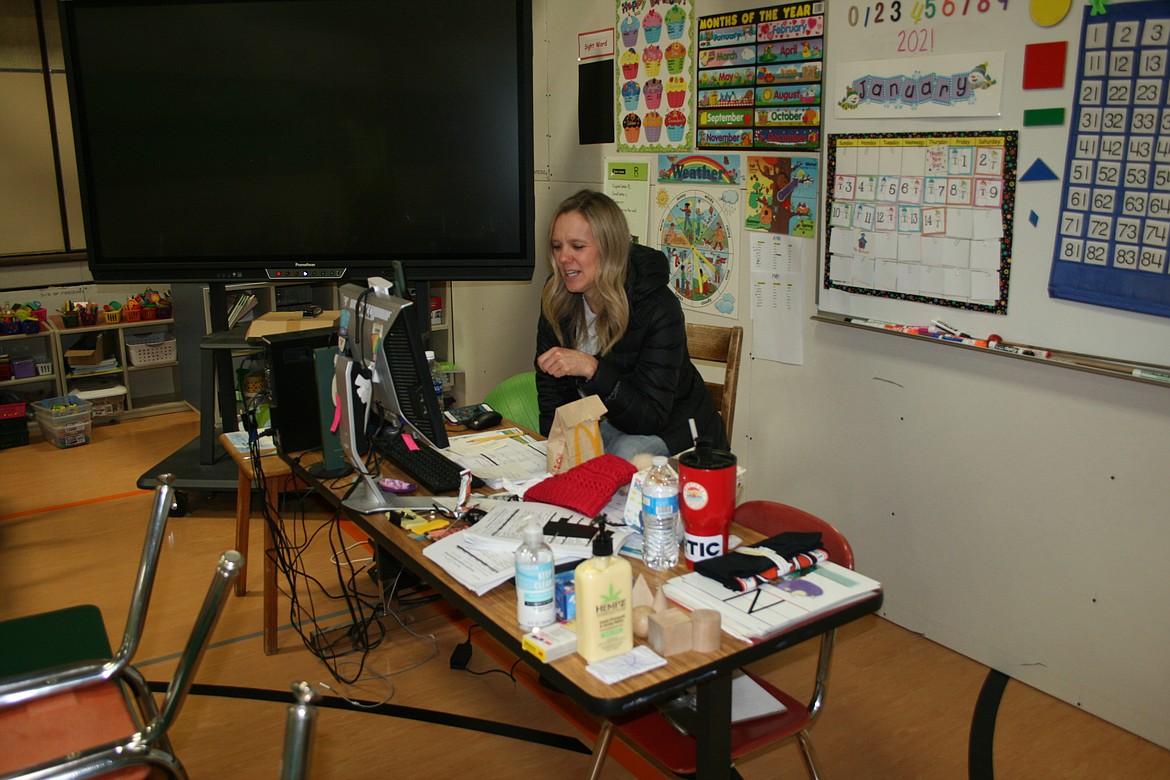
[676,91]
[676,125]
[631,127]
[676,54]
[652,27]
[653,126]
[630,94]
[676,23]
[652,59]
[629,30]
[652,93]
[630,64]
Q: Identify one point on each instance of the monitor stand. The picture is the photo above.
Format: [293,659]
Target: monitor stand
[367,498]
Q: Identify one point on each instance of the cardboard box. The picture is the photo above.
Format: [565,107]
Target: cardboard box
[291,322]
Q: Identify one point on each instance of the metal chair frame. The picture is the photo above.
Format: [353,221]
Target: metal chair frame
[149,745]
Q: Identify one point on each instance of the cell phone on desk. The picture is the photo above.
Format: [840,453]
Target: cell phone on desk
[461,414]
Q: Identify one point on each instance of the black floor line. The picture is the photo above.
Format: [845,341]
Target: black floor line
[546,738]
[981,746]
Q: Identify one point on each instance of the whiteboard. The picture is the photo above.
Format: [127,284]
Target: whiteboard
[930,36]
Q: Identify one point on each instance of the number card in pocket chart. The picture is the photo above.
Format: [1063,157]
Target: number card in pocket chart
[1114,233]
[924,217]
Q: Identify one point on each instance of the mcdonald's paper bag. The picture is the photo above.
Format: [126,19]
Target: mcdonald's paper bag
[575,436]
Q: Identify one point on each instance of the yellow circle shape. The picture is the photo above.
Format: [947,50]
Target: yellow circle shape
[1047,13]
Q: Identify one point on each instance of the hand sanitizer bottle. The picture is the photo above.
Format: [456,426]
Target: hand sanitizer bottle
[535,580]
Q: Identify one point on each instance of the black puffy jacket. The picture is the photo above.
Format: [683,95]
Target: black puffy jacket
[647,381]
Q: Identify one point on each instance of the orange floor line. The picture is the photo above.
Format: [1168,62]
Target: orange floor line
[72,504]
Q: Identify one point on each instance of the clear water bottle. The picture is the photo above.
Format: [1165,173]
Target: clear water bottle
[436,377]
[660,516]
[535,579]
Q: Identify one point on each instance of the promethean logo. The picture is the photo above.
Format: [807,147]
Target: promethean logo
[304,265]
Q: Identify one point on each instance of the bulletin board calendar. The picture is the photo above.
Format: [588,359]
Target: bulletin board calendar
[924,217]
[1114,232]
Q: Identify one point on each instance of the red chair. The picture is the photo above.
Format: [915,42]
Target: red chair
[653,733]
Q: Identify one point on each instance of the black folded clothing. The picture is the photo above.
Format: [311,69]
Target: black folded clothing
[739,570]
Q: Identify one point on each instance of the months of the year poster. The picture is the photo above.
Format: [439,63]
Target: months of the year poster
[1114,232]
[925,217]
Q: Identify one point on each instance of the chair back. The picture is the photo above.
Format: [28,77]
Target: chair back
[160,511]
[719,344]
[225,574]
[298,732]
[515,399]
[771,517]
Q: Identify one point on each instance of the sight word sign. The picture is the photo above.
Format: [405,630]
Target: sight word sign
[924,217]
[1114,233]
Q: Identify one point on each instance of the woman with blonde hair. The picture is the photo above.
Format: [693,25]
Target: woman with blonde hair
[611,326]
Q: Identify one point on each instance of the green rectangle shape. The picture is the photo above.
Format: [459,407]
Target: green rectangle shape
[1039,117]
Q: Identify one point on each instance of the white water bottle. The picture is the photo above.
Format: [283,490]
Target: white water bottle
[535,579]
[436,377]
[660,516]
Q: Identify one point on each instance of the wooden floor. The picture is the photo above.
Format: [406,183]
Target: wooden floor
[71,525]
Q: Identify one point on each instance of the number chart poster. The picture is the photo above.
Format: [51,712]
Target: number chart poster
[654,86]
[696,227]
[1115,214]
[923,217]
[759,80]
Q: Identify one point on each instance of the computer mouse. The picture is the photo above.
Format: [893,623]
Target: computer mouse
[485,419]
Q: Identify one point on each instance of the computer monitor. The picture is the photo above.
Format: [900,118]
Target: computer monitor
[382,373]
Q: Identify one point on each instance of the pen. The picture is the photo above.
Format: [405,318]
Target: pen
[1146,373]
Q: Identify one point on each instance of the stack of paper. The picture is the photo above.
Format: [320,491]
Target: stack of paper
[482,556]
[773,606]
[500,456]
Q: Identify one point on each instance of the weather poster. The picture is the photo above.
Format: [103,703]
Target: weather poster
[695,232]
[781,195]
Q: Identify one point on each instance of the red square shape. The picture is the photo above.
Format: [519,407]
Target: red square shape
[1044,65]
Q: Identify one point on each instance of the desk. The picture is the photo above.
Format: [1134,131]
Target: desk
[495,613]
[275,470]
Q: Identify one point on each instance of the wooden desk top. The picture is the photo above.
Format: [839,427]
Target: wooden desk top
[495,612]
[273,464]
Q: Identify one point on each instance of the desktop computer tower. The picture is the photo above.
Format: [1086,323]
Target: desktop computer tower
[294,387]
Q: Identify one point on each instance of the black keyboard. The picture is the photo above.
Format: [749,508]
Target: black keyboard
[429,467]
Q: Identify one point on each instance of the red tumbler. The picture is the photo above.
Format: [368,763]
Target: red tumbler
[706,492]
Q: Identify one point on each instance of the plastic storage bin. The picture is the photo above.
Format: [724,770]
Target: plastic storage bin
[108,400]
[147,353]
[65,421]
[13,426]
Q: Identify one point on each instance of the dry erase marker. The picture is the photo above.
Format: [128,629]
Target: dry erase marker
[1146,373]
[1026,351]
[951,330]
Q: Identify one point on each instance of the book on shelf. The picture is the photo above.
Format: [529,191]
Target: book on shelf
[773,606]
[243,303]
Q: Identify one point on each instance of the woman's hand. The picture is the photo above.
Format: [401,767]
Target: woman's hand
[560,362]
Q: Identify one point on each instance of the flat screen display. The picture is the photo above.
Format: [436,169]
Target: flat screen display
[248,139]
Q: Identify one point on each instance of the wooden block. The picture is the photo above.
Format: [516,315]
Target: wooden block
[661,603]
[670,632]
[642,595]
[642,615]
[706,631]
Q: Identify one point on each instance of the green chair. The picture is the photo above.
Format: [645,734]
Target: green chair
[515,399]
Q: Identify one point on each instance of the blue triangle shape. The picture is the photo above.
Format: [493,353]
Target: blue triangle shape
[1039,172]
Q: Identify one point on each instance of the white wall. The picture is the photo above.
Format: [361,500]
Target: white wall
[1015,512]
